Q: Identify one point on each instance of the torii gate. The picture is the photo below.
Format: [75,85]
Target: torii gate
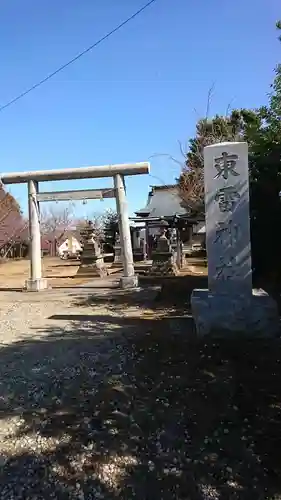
[36,282]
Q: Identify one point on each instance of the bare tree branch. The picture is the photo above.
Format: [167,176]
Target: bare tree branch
[229,107]
[167,156]
[182,149]
[56,220]
[209,99]
[11,220]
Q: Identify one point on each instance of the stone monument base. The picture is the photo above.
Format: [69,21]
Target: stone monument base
[163,265]
[36,285]
[96,269]
[128,282]
[223,316]
[163,269]
[138,255]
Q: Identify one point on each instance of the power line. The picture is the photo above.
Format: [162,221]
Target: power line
[61,68]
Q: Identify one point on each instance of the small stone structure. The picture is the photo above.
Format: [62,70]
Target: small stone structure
[185,249]
[117,252]
[138,246]
[163,257]
[92,262]
[138,254]
[230,305]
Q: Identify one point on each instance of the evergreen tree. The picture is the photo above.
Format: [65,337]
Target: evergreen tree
[261,128]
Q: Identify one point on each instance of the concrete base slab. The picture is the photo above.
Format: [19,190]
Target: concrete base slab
[128,282]
[223,316]
[36,285]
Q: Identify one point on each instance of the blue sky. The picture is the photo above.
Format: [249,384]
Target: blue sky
[137,94]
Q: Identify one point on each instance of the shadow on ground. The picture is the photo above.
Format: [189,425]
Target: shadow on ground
[133,408]
[169,296]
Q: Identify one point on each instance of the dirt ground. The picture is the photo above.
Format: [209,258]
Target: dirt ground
[13,273]
[60,273]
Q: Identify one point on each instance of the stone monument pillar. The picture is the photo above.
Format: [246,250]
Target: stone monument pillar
[92,262]
[230,305]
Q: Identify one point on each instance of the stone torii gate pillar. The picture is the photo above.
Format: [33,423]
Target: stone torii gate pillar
[35,283]
[129,279]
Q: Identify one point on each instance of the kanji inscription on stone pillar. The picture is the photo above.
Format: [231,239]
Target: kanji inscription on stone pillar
[227,218]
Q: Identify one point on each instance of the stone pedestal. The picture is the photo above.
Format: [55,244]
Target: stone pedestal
[138,255]
[163,261]
[225,316]
[117,253]
[128,282]
[36,285]
[92,263]
[96,269]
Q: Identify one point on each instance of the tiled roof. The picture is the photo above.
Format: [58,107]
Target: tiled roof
[163,201]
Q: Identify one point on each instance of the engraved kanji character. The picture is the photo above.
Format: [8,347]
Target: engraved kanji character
[225,270]
[226,197]
[227,232]
[225,165]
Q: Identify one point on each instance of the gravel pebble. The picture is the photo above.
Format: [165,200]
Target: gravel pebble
[45,356]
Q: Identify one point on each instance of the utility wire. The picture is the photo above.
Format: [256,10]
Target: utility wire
[61,68]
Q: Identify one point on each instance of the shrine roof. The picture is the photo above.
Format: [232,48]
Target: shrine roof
[163,202]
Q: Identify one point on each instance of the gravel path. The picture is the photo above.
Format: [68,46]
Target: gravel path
[55,373]
[102,397]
